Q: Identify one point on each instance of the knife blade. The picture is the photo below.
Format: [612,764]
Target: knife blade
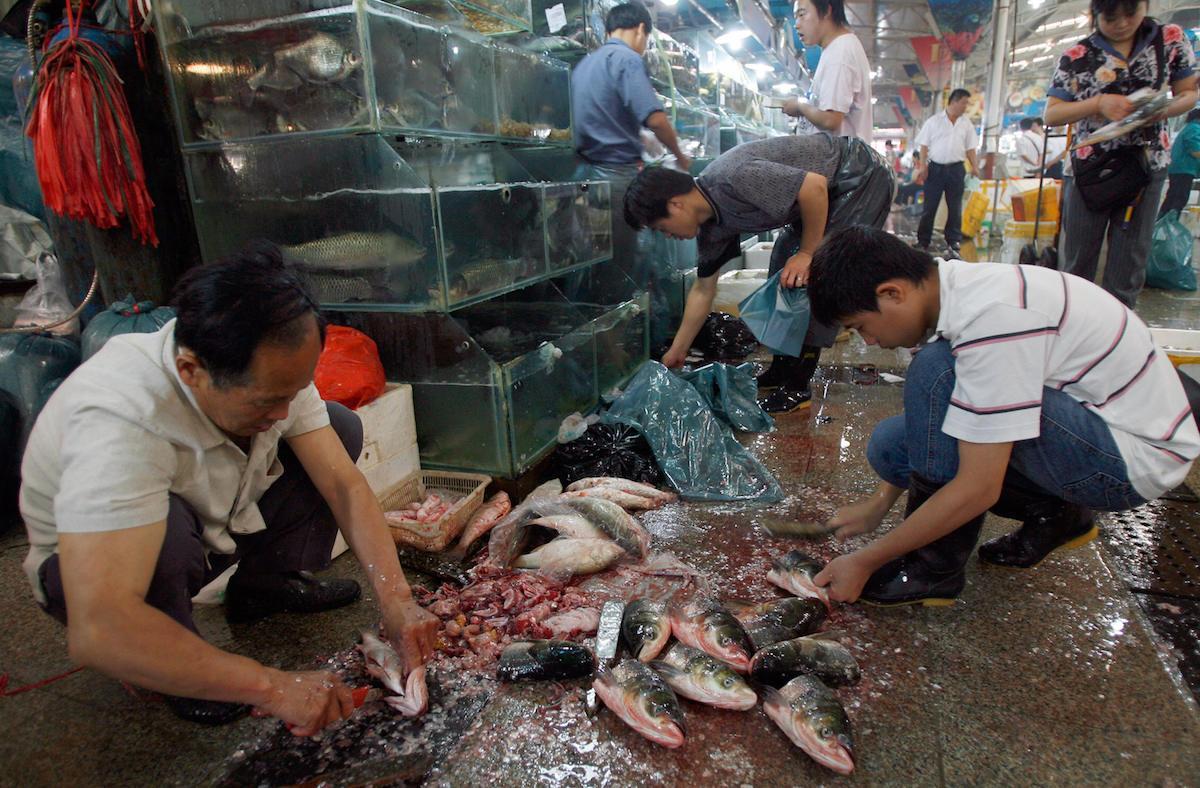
[607,638]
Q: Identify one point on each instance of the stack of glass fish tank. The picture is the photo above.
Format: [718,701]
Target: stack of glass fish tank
[374,145]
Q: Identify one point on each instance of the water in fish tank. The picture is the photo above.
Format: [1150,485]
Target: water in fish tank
[513,11]
[367,236]
[461,426]
[578,223]
[497,233]
[532,96]
[430,78]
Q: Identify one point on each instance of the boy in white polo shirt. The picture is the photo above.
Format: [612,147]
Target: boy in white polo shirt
[1035,394]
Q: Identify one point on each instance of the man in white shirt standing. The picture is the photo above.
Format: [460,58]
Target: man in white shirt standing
[1029,146]
[841,87]
[1035,395]
[946,140]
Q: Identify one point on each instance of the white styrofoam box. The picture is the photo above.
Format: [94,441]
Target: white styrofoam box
[388,423]
[732,287]
[385,474]
[1182,346]
[759,255]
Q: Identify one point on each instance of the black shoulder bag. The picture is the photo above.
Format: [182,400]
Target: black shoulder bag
[1115,178]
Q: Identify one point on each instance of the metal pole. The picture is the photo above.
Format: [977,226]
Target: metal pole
[993,114]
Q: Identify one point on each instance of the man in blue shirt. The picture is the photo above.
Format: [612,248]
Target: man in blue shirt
[611,101]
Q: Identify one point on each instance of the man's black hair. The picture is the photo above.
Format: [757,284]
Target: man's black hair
[957,94]
[834,8]
[627,16]
[851,262]
[1027,123]
[1193,115]
[647,196]
[229,307]
[1101,8]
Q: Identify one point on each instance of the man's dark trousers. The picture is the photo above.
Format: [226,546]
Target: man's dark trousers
[299,536]
[947,179]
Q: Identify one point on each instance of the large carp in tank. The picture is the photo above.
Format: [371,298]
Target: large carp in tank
[356,250]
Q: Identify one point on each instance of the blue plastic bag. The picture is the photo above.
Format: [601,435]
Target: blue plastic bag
[777,316]
[732,393]
[695,450]
[1170,263]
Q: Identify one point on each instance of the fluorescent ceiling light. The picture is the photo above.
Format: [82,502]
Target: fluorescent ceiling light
[671,3]
[1036,3]
[761,68]
[736,35]
[783,88]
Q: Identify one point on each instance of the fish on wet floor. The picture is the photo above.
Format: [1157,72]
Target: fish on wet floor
[356,250]
[383,663]
[646,628]
[624,485]
[483,520]
[779,619]
[616,523]
[542,660]
[573,525]
[705,624]
[815,721]
[567,556]
[700,677]
[645,702]
[814,655]
[794,572]
[625,500]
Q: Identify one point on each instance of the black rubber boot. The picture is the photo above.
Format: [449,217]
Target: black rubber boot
[778,373]
[1047,524]
[795,391]
[251,597]
[932,575]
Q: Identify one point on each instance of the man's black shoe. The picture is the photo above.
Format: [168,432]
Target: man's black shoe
[778,374]
[1047,524]
[922,247]
[786,400]
[953,251]
[251,597]
[206,712]
[906,581]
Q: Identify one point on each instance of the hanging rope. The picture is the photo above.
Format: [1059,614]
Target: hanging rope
[87,154]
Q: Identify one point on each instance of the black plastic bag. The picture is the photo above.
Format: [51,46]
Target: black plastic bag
[724,336]
[608,450]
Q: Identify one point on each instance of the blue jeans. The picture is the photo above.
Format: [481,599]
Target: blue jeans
[1074,458]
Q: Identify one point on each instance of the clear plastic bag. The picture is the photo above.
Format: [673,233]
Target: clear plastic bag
[46,303]
[732,393]
[695,450]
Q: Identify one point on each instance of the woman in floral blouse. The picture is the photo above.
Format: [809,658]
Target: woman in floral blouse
[1089,89]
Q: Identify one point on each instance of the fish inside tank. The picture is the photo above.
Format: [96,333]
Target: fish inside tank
[532,96]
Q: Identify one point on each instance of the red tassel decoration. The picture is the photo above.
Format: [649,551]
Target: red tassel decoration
[87,154]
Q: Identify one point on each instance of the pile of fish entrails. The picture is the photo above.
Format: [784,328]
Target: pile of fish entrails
[727,654]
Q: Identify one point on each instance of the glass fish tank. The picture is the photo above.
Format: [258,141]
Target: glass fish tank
[673,66]
[492,381]
[698,127]
[356,220]
[619,314]
[265,68]
[497,16]
[533,97]
[578,224]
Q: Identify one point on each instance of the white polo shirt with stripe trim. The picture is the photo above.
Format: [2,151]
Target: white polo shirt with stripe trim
[1016,329]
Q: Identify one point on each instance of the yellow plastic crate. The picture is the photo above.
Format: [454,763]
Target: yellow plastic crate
[974,213]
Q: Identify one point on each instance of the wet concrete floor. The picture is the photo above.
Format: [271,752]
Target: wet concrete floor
[1050,676]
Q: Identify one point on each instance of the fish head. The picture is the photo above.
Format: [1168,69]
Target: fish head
[831,742]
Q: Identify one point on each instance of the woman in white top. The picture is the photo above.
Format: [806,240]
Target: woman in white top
[840,98]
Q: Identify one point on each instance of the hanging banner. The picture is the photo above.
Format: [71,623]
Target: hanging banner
[962,22]
[920,85]
[912,104]
[934,57]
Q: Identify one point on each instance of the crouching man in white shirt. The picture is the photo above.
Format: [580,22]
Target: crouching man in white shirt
[1036,395]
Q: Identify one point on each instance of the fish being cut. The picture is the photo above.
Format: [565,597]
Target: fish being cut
[646,628]
[383,663]
[794,573]
[779,619]
[813,718]
[637,695]
[567,556]
[818,656]
[705,624]
[540,660]
[700,677]
[615,522]
[356,250]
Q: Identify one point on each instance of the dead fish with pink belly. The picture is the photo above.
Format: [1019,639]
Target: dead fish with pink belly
[383,663]
[703,623]
[794,572]
[695,675]
[813,718]
[637,695]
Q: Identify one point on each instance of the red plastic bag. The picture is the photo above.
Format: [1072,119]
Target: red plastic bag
[349,370]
